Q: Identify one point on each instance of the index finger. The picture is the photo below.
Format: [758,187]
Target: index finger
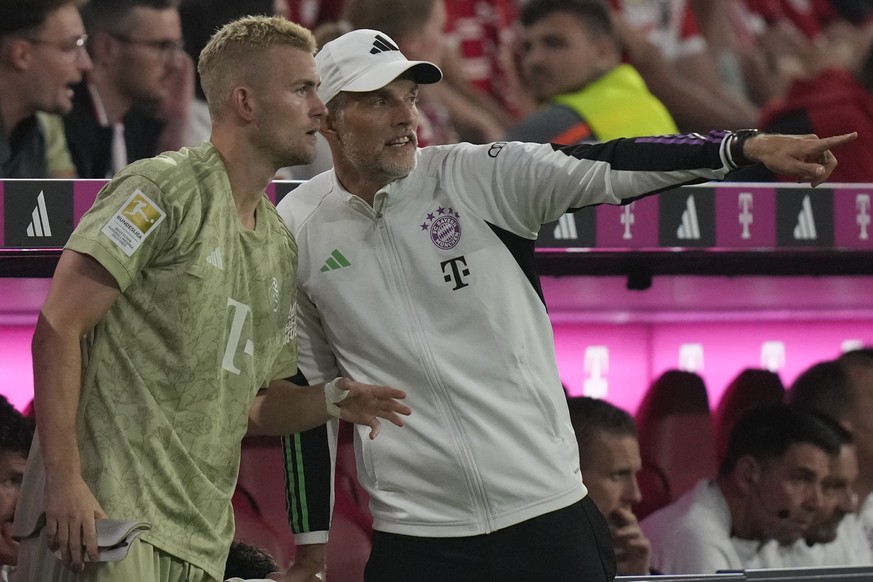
[622,516]
[834,141]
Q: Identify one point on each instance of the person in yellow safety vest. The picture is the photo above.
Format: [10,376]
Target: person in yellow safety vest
[571,63]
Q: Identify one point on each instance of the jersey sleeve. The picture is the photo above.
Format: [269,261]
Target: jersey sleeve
[309,459]
[315,358]
[310,456]
[126,228]
[520,186]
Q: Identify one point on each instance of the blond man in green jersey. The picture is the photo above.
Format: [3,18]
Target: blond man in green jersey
[180,283]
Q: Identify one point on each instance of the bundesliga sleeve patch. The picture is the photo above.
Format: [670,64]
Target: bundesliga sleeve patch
[133,222]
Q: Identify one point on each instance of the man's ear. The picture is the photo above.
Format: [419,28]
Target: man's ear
[607,53]
[18,53]
[102,47]
[242,98]
[747,473]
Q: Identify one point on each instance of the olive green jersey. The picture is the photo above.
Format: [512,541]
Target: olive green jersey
[205,319]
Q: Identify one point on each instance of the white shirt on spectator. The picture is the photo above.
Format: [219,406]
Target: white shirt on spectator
[692,536]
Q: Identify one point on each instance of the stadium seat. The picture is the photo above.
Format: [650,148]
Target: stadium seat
[676,430]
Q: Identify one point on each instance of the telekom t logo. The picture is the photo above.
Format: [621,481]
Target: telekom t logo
[241,313]
[596,365]
[628,219]
[454,271]
[862,203]
[746,201]
[773,355]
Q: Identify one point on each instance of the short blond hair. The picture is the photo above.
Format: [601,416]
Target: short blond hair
[234,50]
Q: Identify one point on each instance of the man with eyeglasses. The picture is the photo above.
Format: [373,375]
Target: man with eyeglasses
[133,103]
[42,56]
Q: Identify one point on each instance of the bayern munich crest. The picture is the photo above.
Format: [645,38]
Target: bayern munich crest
[444,227]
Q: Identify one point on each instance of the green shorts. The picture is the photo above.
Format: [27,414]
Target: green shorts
[143,563]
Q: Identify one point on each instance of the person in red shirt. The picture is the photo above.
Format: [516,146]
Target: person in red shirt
[822,104]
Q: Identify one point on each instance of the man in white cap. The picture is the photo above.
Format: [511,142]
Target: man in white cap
[417,270]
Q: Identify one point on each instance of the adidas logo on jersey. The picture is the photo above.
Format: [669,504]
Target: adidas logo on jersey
[39,225]
[381,45]
[335,261]
[214,258]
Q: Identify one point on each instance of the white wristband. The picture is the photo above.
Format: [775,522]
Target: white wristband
[332,396]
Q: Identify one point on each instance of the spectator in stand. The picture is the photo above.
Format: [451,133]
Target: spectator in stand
[59,163]
[859,365]
[134,102]
[662,40]
[847,397]
[734,37]
[42,54]
[770,45]
[826,388]
[840,499]
[609,458]
[831,99]
[571,61]
[832,538]
[199,20]
[478,68]
[417,28]
[16,434]
[313,13]
[768,489]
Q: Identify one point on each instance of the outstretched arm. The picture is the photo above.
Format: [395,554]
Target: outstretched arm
[285,408]
[805,157]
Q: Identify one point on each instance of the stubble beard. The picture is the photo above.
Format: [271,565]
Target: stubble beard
[377,163]
[300,156]
[285,153]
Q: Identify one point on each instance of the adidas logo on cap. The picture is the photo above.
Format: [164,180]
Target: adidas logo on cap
[366,60]
[382,44]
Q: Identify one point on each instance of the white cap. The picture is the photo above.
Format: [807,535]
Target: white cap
[366,60]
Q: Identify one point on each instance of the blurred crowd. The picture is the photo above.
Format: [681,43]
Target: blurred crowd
[84,103]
